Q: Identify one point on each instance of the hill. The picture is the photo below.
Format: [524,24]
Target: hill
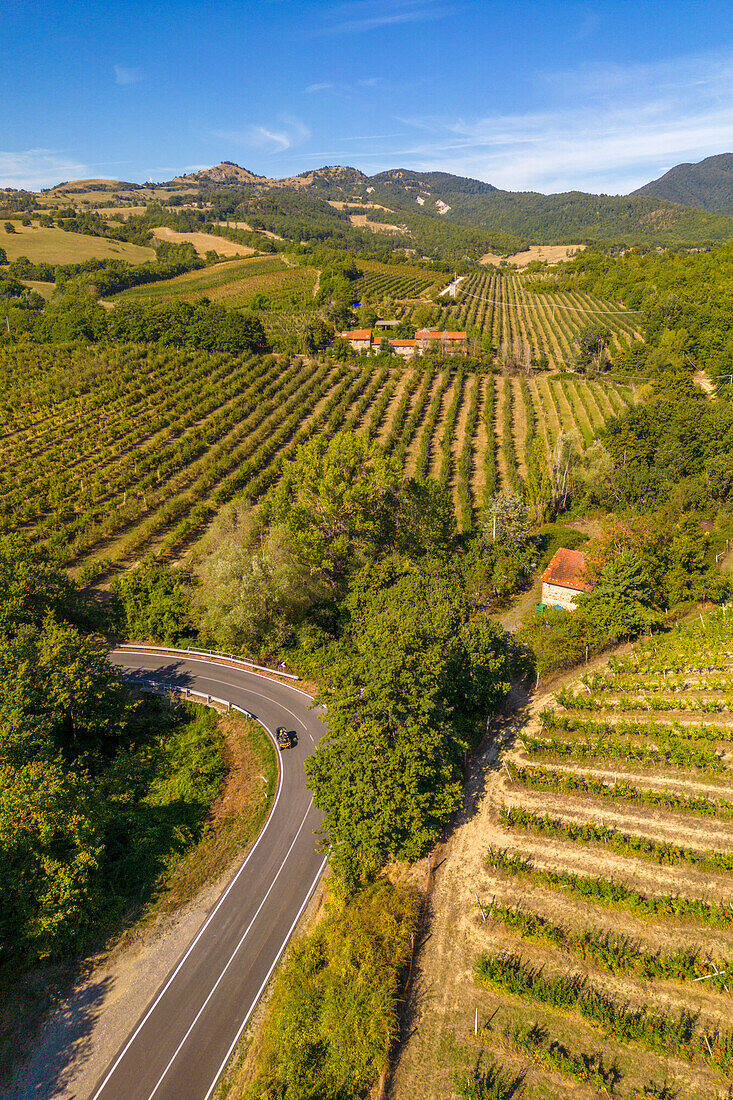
[436,214]
[707,185]
[226,174]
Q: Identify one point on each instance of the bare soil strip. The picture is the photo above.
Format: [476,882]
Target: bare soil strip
[477,483]
[501,464]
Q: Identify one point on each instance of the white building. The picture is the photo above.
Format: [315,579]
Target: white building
[564,579]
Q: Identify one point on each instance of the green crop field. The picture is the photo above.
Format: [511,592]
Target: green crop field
[56,246]
[590,881]
[524,324]
[217,282]
[236,284]
[117,453]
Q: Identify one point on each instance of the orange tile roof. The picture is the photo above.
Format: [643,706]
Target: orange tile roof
[567,569]
[357,334]
[403,343]
[431,334]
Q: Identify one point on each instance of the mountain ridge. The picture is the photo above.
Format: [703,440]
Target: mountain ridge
[703,185]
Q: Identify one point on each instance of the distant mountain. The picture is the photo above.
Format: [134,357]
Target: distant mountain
[440,183]
[438,212]
[707,185]
[226,174]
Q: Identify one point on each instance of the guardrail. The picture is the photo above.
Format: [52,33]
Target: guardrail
[209,653]
[173,689]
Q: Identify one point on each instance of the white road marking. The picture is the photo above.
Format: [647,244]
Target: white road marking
[260,991]
[213,989]
[200,933]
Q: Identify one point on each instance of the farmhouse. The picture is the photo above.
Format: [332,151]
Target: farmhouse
[564,579]
[363,339]
[447,341]
[405,348]
[359,338]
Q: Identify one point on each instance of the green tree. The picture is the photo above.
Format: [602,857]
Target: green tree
[30,586]
[151,605]
[51,847]
[622,603]
[505,519]
[252,590]
[333,502]
[404,699]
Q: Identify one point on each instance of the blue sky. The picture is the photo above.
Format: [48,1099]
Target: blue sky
[543,95]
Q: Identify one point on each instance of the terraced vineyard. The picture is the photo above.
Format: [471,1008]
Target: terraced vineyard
[608,903]
[582,936]
[524,324]
[111,454]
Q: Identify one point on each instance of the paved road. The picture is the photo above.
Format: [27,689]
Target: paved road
[182,1042]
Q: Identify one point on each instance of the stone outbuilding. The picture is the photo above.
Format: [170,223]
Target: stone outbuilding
[564,579]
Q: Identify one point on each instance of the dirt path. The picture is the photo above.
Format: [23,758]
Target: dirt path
[519,428]
[477,483]
[702,379]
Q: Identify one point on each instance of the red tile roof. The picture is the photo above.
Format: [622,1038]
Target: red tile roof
[403,343]
[357,334]
[567,569]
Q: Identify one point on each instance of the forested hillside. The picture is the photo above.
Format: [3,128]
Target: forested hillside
[707,185]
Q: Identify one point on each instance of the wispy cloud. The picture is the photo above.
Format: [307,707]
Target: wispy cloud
[627,127]
[357,16]
[287,133]
[341,88]
[125,75]
[36,168]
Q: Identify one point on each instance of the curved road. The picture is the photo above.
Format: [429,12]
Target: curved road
[182,1042]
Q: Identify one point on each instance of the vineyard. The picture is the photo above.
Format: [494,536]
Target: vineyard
[110,455]
[524,324]
[588,939]
[379,281]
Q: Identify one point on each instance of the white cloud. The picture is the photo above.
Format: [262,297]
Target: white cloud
[628,127]
[286,134]
[126,75]
[324,86]
[356,16]
[36,168]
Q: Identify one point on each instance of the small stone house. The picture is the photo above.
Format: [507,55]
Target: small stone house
[564,579]
[447,341]
[359,338]
[405,348]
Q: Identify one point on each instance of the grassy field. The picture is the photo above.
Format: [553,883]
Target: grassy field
[112,454]
[584,913]
[219,282]
[237,284]
[56,246]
